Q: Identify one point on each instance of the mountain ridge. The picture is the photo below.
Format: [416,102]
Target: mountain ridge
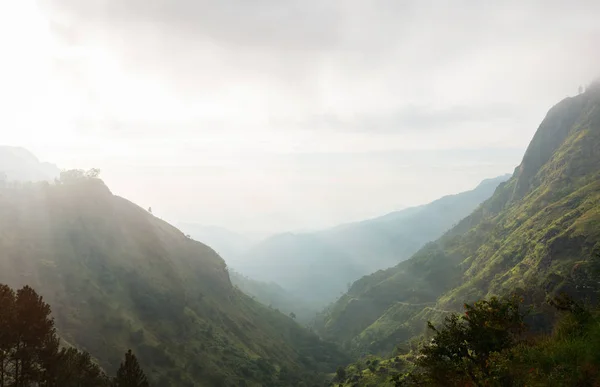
[527,237]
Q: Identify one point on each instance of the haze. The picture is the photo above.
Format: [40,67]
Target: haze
[277,115]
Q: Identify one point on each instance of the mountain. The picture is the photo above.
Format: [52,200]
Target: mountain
[116,277]
[21,165]
[320,266]
[533,236]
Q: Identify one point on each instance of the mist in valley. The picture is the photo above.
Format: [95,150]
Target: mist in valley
[288,193]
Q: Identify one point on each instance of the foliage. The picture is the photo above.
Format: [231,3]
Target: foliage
[130,373]
[30,353]
[460,350]
[568,357]
[72,176]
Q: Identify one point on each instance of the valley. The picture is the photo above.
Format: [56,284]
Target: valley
[110,267]
[286,193]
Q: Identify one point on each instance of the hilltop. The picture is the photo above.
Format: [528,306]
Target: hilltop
[117,278]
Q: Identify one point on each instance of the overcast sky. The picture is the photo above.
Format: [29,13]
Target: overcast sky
[273,115]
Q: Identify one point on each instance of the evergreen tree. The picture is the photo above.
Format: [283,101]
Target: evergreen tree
[34,332]
[7,338]
[130,373]
[30,353]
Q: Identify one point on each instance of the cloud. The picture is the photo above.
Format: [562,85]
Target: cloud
[291,60]
[327,88]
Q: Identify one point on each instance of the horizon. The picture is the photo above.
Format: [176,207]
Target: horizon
[350,111]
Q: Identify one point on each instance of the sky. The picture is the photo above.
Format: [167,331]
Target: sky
[274,115]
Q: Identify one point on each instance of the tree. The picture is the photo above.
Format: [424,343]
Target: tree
[459,351]
[580,89]
[341,374]
[30,353]
[93,173]
[35,337]
[150,209]
[293,315]
[74,368]
[130,373]
[71,176]
[76,175]
[7,338]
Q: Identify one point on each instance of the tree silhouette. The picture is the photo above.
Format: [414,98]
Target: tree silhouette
[7,339]
[35,337]
[130,373]
[30,353]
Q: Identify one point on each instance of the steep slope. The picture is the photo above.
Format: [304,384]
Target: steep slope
[21,165]
[119,278]
[320,266]
[538,228]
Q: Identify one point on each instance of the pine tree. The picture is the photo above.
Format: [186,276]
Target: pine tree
[130,373]
[35,336]
[30,353]
[7,338]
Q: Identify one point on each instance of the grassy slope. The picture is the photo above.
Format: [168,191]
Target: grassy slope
[529,235]
[117,277]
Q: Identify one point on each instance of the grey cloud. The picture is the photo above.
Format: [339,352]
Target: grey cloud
[399,52]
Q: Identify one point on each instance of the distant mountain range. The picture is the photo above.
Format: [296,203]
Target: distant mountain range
[21,165]
[319,266]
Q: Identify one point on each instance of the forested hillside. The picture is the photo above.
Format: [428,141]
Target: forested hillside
[318,267]
[117,278]
[536,233]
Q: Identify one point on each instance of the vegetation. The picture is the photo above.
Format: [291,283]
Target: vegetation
[30,353]
[130,374]
[536,235]
[119,278]
[492,345]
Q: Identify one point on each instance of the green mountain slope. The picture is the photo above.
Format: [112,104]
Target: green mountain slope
[536,230]
[320,266]
[118,278]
